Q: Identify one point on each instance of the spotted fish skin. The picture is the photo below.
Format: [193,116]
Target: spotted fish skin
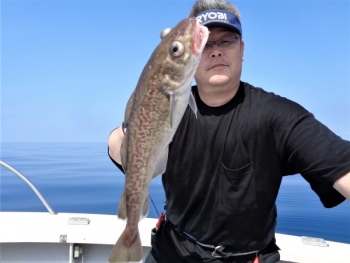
[152,116]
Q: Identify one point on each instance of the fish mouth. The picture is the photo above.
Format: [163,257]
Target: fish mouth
[201,34]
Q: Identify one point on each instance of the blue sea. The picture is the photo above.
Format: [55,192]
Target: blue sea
[80,178]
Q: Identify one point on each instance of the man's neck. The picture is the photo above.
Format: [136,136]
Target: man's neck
[217,96]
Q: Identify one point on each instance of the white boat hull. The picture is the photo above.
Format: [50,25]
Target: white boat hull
[43,237]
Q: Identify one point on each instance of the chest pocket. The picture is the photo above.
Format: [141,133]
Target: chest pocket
[237,190]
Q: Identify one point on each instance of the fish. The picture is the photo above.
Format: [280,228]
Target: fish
[152,116]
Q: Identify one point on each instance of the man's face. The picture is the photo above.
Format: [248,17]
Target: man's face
[220,66]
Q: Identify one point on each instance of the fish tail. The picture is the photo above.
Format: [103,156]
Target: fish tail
[123,253]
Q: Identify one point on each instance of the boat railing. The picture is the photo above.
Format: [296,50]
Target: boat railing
[29,183]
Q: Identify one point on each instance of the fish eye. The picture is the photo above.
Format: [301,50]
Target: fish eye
[176,49]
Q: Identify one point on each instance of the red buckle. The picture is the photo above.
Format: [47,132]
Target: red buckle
[160,220]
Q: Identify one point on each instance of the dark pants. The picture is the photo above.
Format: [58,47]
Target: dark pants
[150,258]
[273,258]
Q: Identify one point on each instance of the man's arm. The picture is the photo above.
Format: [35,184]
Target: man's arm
[342,185]
[114,143]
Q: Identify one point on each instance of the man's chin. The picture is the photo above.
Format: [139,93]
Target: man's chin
[218,80]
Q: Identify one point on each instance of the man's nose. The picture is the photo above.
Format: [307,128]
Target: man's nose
[215,50]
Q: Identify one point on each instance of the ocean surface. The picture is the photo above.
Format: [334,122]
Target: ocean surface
[80,178]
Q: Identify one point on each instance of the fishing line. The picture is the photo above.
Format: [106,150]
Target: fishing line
[154,205]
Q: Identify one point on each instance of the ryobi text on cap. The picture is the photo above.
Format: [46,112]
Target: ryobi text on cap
[212,16]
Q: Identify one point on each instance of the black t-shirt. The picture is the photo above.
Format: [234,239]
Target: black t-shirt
[225,168]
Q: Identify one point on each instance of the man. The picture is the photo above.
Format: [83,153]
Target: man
[225,166]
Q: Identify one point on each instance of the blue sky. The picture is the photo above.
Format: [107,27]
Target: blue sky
[69,67]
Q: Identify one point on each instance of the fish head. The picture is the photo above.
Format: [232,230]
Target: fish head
[190,34]
[177,56]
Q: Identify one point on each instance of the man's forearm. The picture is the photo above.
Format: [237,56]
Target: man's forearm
[114,143]
[342,185]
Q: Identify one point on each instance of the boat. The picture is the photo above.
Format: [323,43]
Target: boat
[76,237]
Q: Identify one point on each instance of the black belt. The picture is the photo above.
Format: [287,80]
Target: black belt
[218,251]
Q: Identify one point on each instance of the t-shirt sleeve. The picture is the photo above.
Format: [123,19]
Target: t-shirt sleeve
[117,164]
[310,148]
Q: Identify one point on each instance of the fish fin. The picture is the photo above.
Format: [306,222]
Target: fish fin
[192,103]
[128,108]
[145,208]
[172,107]
[127,114]
[159,169]
[161,163]
[122,207]
[126,254]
